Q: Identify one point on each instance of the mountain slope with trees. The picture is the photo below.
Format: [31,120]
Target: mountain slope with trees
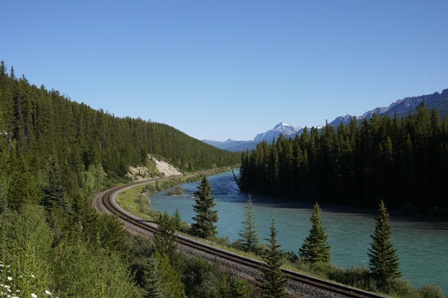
[40,129]
[54,155]
[400,160]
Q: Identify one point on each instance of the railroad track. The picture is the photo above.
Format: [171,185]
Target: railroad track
[107,199]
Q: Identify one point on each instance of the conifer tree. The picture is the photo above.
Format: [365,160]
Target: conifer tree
[383,256]
[22,188]
[170,277]
[152,285]
[315,248]
[249,235]
[111,233]
[205,218]
[165,238]
[177,220]
[274,280]
[55,194]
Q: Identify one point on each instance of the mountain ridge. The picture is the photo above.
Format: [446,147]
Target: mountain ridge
[401,108]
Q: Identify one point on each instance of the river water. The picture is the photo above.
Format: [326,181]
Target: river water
[422,247]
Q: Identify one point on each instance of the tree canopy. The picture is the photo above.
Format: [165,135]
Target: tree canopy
[206,217]
[402,160]
[315,248]
[273,280]
[249,235]
[383,258]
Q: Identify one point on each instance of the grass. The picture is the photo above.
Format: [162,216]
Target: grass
[135,201]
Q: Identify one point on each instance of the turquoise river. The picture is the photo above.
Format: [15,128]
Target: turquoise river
[422,246]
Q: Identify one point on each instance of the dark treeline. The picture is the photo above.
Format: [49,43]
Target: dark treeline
[38,126]
[403,161]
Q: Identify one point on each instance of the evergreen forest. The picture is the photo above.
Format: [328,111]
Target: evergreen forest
[401,160]
[55,154]
[40,129]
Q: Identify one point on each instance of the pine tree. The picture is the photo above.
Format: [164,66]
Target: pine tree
[170,277]
[249,236]
[274,280]
[178,220]
[55,194]
[22,188]
[315,248]
[165,238]
[111,233]
[383,256]
[152,285]
[206,218]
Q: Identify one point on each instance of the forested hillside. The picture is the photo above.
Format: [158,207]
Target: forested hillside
[54,155]
[403,161]
[38,127]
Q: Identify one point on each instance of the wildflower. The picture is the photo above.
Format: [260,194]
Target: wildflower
[33,295]
[32,275]
[47,293]
[9,278]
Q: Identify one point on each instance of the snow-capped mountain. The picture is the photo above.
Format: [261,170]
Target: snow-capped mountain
[280,128]
[237,146]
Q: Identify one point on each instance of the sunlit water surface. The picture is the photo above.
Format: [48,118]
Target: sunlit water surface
[422,247]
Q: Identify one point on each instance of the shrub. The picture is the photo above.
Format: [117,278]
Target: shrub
[430,291]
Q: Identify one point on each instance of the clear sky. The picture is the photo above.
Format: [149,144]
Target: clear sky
[229,69]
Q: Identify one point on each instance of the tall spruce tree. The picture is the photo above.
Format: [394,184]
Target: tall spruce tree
[383,256]
[205,218]
[315,248]
[273,280]
[55,195]
[152,284]
[165,238]
[178,220]
[249,235]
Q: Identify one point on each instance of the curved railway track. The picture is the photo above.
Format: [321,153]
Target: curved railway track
[107,199]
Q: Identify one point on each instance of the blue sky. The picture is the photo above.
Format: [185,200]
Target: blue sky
[229,69]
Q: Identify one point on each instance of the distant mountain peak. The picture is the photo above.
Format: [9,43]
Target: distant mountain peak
[280,124]
[280,128]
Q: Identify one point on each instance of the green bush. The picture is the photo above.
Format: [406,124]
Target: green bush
[430,291]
